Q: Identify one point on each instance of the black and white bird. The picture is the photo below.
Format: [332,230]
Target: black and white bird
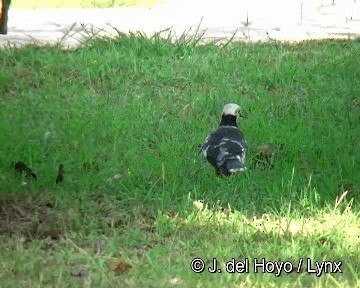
[225,148]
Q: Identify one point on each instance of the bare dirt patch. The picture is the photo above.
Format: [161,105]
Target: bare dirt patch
[28,219]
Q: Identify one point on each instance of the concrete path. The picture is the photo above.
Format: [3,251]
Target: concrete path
[247,20]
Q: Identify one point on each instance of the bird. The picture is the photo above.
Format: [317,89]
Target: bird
[60,175]
[20,167]
[225,148]
[264,156]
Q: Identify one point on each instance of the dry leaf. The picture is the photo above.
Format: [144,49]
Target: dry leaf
[118,265]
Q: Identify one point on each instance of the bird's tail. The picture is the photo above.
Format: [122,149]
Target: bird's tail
[235,165]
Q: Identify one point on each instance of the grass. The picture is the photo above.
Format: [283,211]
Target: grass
[138,109]
[37,4]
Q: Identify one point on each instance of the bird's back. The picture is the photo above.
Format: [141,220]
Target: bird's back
[225,149]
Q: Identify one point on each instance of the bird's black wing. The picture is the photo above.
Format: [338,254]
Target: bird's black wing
[225,149]
[232,151]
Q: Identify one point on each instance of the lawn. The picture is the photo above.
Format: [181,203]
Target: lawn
[138,203]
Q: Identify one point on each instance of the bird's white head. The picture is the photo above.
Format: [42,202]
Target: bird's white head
[231,109]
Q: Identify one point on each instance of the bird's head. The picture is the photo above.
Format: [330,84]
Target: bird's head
[231,109]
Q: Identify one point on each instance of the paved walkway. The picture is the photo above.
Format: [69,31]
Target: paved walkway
[248,20]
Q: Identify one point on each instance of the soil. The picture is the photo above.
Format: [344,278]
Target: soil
[28,219]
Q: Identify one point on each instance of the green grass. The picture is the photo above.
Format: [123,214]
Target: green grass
[140,108]
[37,4]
